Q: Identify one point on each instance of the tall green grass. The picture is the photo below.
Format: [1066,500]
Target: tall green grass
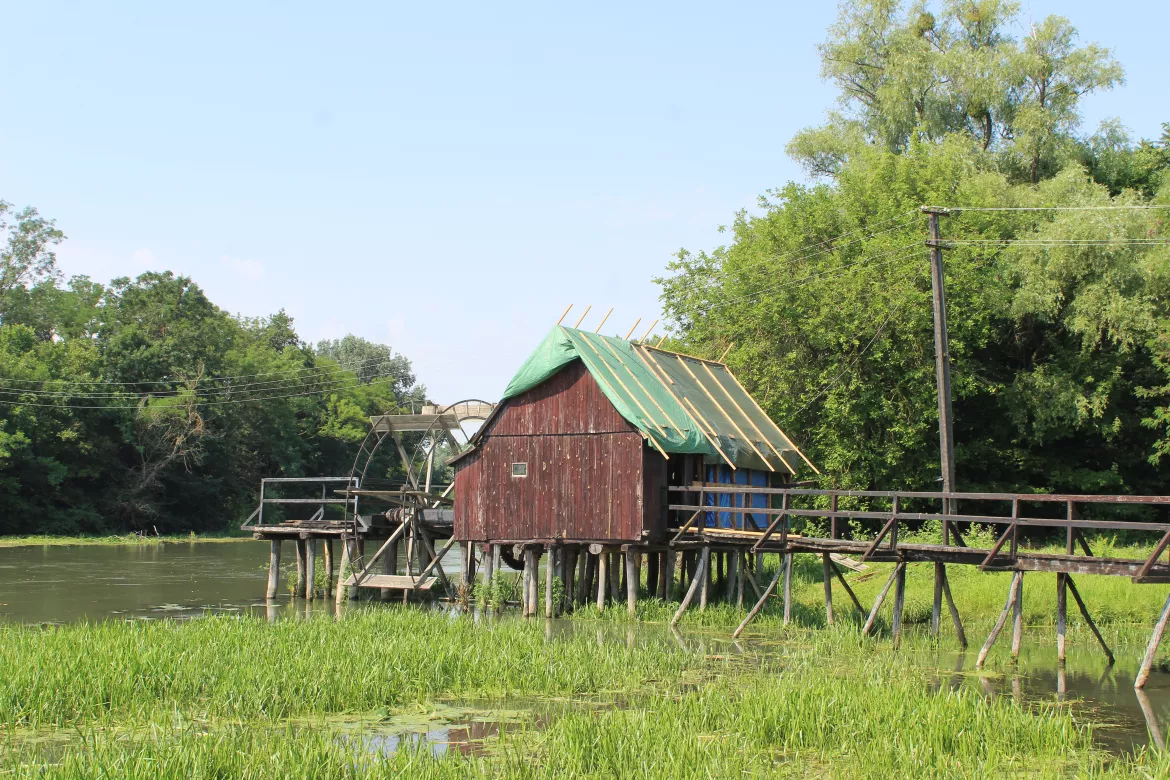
[803,717]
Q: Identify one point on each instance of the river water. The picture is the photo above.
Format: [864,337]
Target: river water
[59,584]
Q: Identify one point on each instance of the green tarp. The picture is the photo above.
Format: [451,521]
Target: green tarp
[649,389]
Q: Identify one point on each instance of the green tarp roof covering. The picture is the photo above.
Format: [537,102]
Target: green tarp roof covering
[681,404]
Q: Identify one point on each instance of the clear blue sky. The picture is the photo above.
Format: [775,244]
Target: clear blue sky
[444,178]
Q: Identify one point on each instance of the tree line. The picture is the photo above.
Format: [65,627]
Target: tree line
[140,405]
[1058,320]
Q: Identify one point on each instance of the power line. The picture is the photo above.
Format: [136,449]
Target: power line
[307,369]
[270,385]
[353,384]
[811,254]
[1057,241]
[808,279]
[961,209]
[833,382]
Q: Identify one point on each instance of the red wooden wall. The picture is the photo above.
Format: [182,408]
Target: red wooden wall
[587,476]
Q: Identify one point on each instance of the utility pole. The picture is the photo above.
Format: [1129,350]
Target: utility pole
[946,431]
[942,352]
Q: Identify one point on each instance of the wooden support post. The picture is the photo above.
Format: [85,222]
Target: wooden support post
[489,564]
[273,569]
[962,635]
[357,552]
[1013,594]
[310,569]
[936,610]
[602,578]
[881,597]
[632,582]
[848,590]
[585,587]
[653,560]
[731,576]
[1152,647]
[1018,619]
[899,604]
[759,604]
[568,569]
[1061,610]
[741,564]
[550,572]
[343,571]
[666,581]
[299,586]
[690,595]
[496,569]
[615,577]
[1088,618]
[327,554]
[827,565]
[389,566]
[704,575]
[787,588]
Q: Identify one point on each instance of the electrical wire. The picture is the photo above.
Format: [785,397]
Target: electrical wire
[1143,207]
[272,385]
[355,383]
[808,279]
[339,365]
[809,255]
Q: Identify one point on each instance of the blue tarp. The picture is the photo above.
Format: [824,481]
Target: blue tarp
[719,473]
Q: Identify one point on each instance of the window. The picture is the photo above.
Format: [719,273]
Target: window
[519,469]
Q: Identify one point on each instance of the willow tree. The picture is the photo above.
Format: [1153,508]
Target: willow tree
[1056,317]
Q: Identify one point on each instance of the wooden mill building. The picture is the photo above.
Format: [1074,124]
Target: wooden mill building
[593,429]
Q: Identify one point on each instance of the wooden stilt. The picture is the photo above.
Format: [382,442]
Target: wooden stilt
[731,575]
[899,604]
[568,569]
[357,552]
[327,555]
[343,571]
[936,610]
[705,566]
[602,578]
[999,624]
[588,587]
[310,569]
[877,604]
[759,604]
[1061,615]
[615,577]
[787,588]
[653,560]
[1088,618]
[389,560]
[550,572]
[489,573]
[827,565]
[853,596]
[273,569]
[670,568]
[690,595]
[632,582]
[496,569]
[741,564]
[299,585]
[1018,619]
[660,585]
[959,632]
